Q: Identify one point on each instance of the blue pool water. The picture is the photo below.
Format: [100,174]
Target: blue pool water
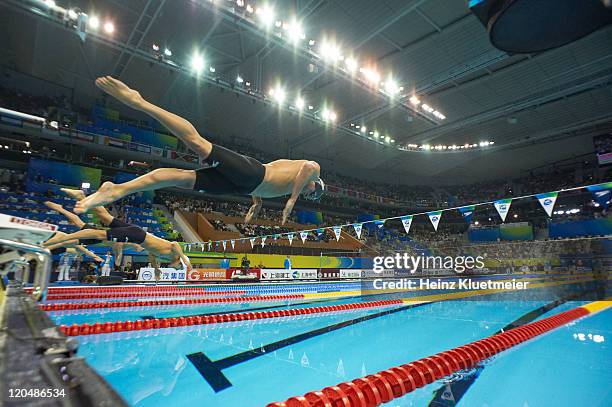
[255,362]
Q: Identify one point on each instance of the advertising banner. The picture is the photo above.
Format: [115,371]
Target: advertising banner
[295,274]
[198,274]
[328,274]
[167,274]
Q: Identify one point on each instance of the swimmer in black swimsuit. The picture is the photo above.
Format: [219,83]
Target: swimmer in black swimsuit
[122,232]
[224,171]
[100,212]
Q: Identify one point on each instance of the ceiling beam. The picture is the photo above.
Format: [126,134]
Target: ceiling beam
[390,21]
[578,85]
[140,30]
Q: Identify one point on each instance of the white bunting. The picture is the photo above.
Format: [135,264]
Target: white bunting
[303,236]
[290,238]
[358,227]
[503,207]
[232,243]
[224,243]
[548,202]
[407,222]
[252,240]
[434,217]
[337,232]
[263,241]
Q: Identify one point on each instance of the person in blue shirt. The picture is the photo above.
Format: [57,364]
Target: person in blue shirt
[288,263]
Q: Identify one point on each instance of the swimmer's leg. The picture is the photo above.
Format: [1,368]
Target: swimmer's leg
[100,212]
[72,218]
[80,235]
[156,179]
[178,126]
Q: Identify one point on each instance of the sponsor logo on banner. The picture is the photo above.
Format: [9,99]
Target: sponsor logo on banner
[337,232]
[147,275]
[237,274]
[207,274]
[406,221]
[33,223]
[295,274]
[503,207]
[434,217]
[350,273]
[167,274]
[548,202]
[378,274]
[328,274]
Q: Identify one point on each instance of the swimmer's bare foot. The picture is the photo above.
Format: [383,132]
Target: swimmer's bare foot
[106,194]
[74,193]
[58,237]
[120,91]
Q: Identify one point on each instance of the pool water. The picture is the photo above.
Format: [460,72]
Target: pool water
[252,363]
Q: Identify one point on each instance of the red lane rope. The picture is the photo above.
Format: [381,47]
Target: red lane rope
[81,296]
[147,303]
[384,386]
[156,323]
[60,290]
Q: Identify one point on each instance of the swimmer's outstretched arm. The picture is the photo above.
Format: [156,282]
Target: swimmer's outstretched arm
[72,218]
[178,126]
[88,253]
[309,171]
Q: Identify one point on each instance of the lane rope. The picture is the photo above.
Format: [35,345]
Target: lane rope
[384,386]
[156,323]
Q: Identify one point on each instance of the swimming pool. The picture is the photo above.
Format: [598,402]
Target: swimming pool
[254,362]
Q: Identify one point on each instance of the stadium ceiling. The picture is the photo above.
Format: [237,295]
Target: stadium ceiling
[537,108]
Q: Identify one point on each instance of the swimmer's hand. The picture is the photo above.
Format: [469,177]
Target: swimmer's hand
[120,91]
[252,213]
[287,210]
[98,259]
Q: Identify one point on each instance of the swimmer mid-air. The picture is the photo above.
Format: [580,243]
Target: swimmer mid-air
[100,212]
[119,231]
[226,172]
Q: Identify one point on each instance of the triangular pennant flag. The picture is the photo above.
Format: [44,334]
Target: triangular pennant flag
[290,238]
[406,221]
[233,243]
[201,247]
[602,193]
[252,240]
[467,212]
[379,222]
[358,227]
[303,236]
[320,232]
[548,201]
[503,207]
[224,243]
[337,232]
[209,245]
[434,217]
[263,241]
[275,237]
